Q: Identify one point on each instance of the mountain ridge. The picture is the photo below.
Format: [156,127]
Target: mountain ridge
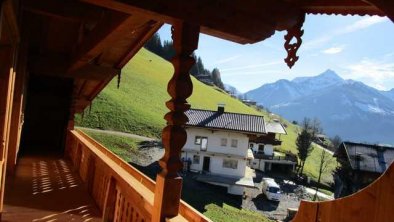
[347,108]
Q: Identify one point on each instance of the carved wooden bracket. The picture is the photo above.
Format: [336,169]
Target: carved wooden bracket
[296,33]
[180,87]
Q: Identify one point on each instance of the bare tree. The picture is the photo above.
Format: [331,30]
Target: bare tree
[325,160]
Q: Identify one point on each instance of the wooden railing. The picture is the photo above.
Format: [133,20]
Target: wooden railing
[371,204]
[121,192]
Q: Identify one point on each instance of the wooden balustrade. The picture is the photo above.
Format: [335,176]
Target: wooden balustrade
[371,204]
[121,192]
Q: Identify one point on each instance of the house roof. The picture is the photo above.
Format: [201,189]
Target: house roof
[226,121]
[275,127]
[367,157]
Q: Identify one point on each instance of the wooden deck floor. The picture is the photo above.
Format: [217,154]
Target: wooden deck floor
[47,189]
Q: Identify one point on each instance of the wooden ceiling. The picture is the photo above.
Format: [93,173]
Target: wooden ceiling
[91,44]
[91,40]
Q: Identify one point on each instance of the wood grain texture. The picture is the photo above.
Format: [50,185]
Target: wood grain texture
[371,204]
[180,87]
[134,191]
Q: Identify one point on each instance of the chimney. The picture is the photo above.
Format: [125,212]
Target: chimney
[221,107]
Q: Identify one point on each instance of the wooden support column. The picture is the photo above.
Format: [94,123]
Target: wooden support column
[180,87]
[17,110]
[110,201]
[7,78]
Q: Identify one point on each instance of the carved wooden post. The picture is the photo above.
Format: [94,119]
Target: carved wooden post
[180,87]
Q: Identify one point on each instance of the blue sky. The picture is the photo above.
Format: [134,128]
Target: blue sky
[359,48]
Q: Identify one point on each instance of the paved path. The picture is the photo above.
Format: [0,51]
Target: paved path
[130,135]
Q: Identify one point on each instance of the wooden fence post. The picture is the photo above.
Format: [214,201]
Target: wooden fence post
[180,87]
[110,201]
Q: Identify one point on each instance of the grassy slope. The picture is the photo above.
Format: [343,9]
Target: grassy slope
[120,145]
[231,214]
[138,105]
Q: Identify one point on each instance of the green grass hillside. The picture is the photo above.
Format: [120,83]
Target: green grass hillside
[138,106]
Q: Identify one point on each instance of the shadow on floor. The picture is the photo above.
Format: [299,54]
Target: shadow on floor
[47,189]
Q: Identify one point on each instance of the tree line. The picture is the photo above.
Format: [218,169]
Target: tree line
[167,52]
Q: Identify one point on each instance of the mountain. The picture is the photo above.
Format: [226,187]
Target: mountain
[347,108]
[232,89]
[389,94]
[283,91]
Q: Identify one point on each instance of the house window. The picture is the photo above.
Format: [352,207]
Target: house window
[229,163]
[204,143]
[234,143]
[197,140]
[223,142]
[196,159]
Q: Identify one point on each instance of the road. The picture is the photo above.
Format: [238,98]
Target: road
[117,133]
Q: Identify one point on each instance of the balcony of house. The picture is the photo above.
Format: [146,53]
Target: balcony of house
[91,184]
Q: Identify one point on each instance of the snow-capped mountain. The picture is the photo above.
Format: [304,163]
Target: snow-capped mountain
[389,94]
[347,108]
[283,91]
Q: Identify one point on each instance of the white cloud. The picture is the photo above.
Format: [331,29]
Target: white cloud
[363,23]
[248,67]
[333,50]
[376,73]
[360,24]
[228,59]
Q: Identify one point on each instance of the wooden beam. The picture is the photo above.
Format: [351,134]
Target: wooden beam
[57,67]
[151,28]
[98,39]
[7,80]
[94,72]
[73,11]
[11,22]
[17,111]
[387,6]
[239,20]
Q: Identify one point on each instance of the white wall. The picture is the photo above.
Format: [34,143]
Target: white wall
[214,141]
[216,165]
[268,148]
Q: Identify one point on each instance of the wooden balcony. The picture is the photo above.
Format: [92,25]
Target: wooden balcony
[121,192]
[371,204]
[95,185]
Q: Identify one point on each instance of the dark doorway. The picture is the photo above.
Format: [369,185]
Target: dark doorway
[206,163]
[46,115]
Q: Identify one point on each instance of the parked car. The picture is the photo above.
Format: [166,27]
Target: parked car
[271,189]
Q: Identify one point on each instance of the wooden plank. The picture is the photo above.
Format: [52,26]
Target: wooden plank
[73,11]
[17,111]
[152,28]
[57,66]
[7,79]
[98,39]
[11,20]
[251,21]
[371,204]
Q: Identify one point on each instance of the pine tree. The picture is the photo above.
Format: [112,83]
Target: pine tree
[154,45]
[216,78]
[304,144]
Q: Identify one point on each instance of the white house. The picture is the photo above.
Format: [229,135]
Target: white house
[218,146]
[263,149]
